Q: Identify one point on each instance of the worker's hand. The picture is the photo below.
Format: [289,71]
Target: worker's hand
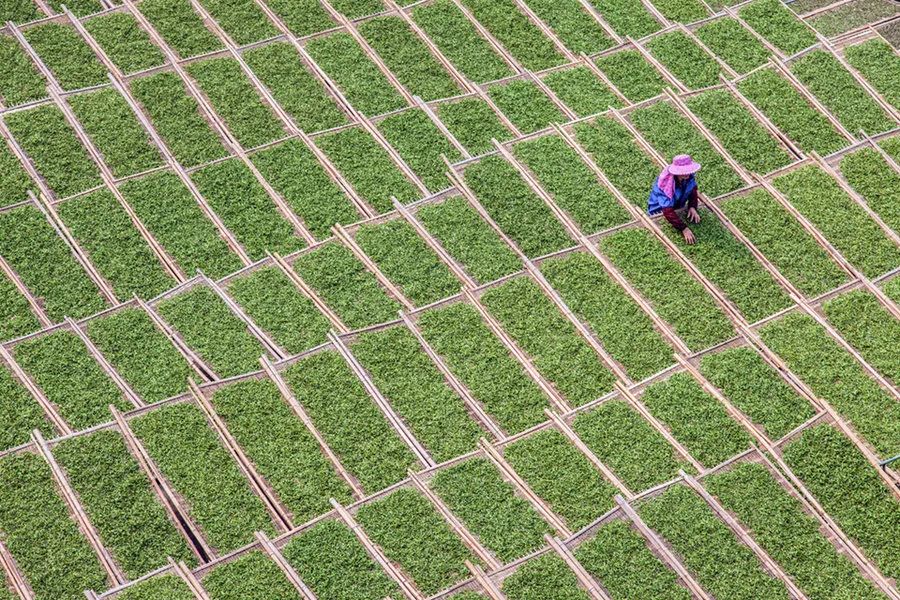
[688,236]
[693,216]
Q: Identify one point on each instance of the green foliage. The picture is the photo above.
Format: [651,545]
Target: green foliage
[483,364]
[59,363]
[416,389]
[163,587]
[551,341]
[67,55]
[790,536]
[123,40]
[573,185]
[279,68]
[516,32]
[246,209]
[778,24]
[677,297]
[630,72]
[284,452]
[834,375]
[791,113]
[696,419]
[685,59]
[740,133]
[574,25]
[16,318]
[516,209]
[349,420]
[474,124]
[582,91]
[682,11]
[784,242]
[358,77]
[168,210]
[49,548]
[115,246]
[757,390]
[547,576]
[563,476]
[368,168]
[414,535]
[843,222]
[253,576]
[873,178]
[346,286]
[420,144]
[19,78]
[192,458]
[79,7]
[852,15]
[180,26]
[45,264]
[618,556]
[242,20]
[329,548]
[672,133]
[527,107]
[234,98]
[19,12]
[121,503]
[869,327]
[141,354]
[708,548]
[176,117]
[359,8]
[627,444]
[55,150]
[20,414]
[460,42]
[734,44]
[877,62]
[14,181]
[627,17]
[302,17]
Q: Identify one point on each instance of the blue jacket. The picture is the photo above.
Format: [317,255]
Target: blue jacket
[658,200]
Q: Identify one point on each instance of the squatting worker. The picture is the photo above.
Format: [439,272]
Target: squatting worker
[673,189]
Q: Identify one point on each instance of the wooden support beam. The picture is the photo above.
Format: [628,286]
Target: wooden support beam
[763,119]
[348,240]
[666,74]
[105,365]
[810,98]
[203,370]
[429,112]
[255,330]
[50,410]
[594,590]
[289,572]
[508,58]
[309,292]
[457,269]
[33,302]
[592,66]
[183,572]
[395,157]
[490,588]
[14,574]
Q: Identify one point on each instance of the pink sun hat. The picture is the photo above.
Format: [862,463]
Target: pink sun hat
[683,164]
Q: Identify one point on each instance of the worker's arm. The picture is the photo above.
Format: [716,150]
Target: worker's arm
[692,214]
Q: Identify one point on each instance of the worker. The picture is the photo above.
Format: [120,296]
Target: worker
[673,189]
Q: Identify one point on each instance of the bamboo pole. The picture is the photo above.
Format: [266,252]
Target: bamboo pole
[601,20]
[592,66]
[184,573]
[666,74]
[16,578]
[810,98]
[570,114]
[289,572]
[487,35]
[395,157]
[490,588]
[105,365]
[199,366]
[309,292]
[546,30]
[425,108]
[255,330]
[33,303]
[594,591]
[50,410]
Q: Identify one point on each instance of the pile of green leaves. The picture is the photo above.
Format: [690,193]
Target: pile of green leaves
[253,576]
[358,77]
[192,458]
[45,264]
[672,133]
[16,318]
[516,209]
[346,286]
[574,25]
[279,68]
[685,59]
[242,20]
[213,331]
[527,107]
[293,170]
[19,78]
[349,420]
[632,75]
[120,502]
[627,17]
[329,548]
[176,117]
[573,185]
[45,541]
[474,124]
[696,419]
[676,295]
[359,8]
[79,7]
[819,197]
[790,536]
[869,327]
[779,25]
[162,587]
[582,91]
[167,209]
[180,26]
[618,556]
[54,149]
[368,168]
[784,242]
[406,260]
[483,364]
[414,535]
[302,17]
[277,306]
[834,375]
[420,144]
[682,11]
[141,354]
[733,44]
[20,414]
[67,55]
[877,62]
[552,342]
[522,38]
[708,548]
[14,181]
[59,363]
[627,444]
[123,40]
[791,113]
[547,576]
[20,12]
[283,451]
[560,474]
[757,390]
[417,391]
[115,246]
[505,523]
[870,175]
